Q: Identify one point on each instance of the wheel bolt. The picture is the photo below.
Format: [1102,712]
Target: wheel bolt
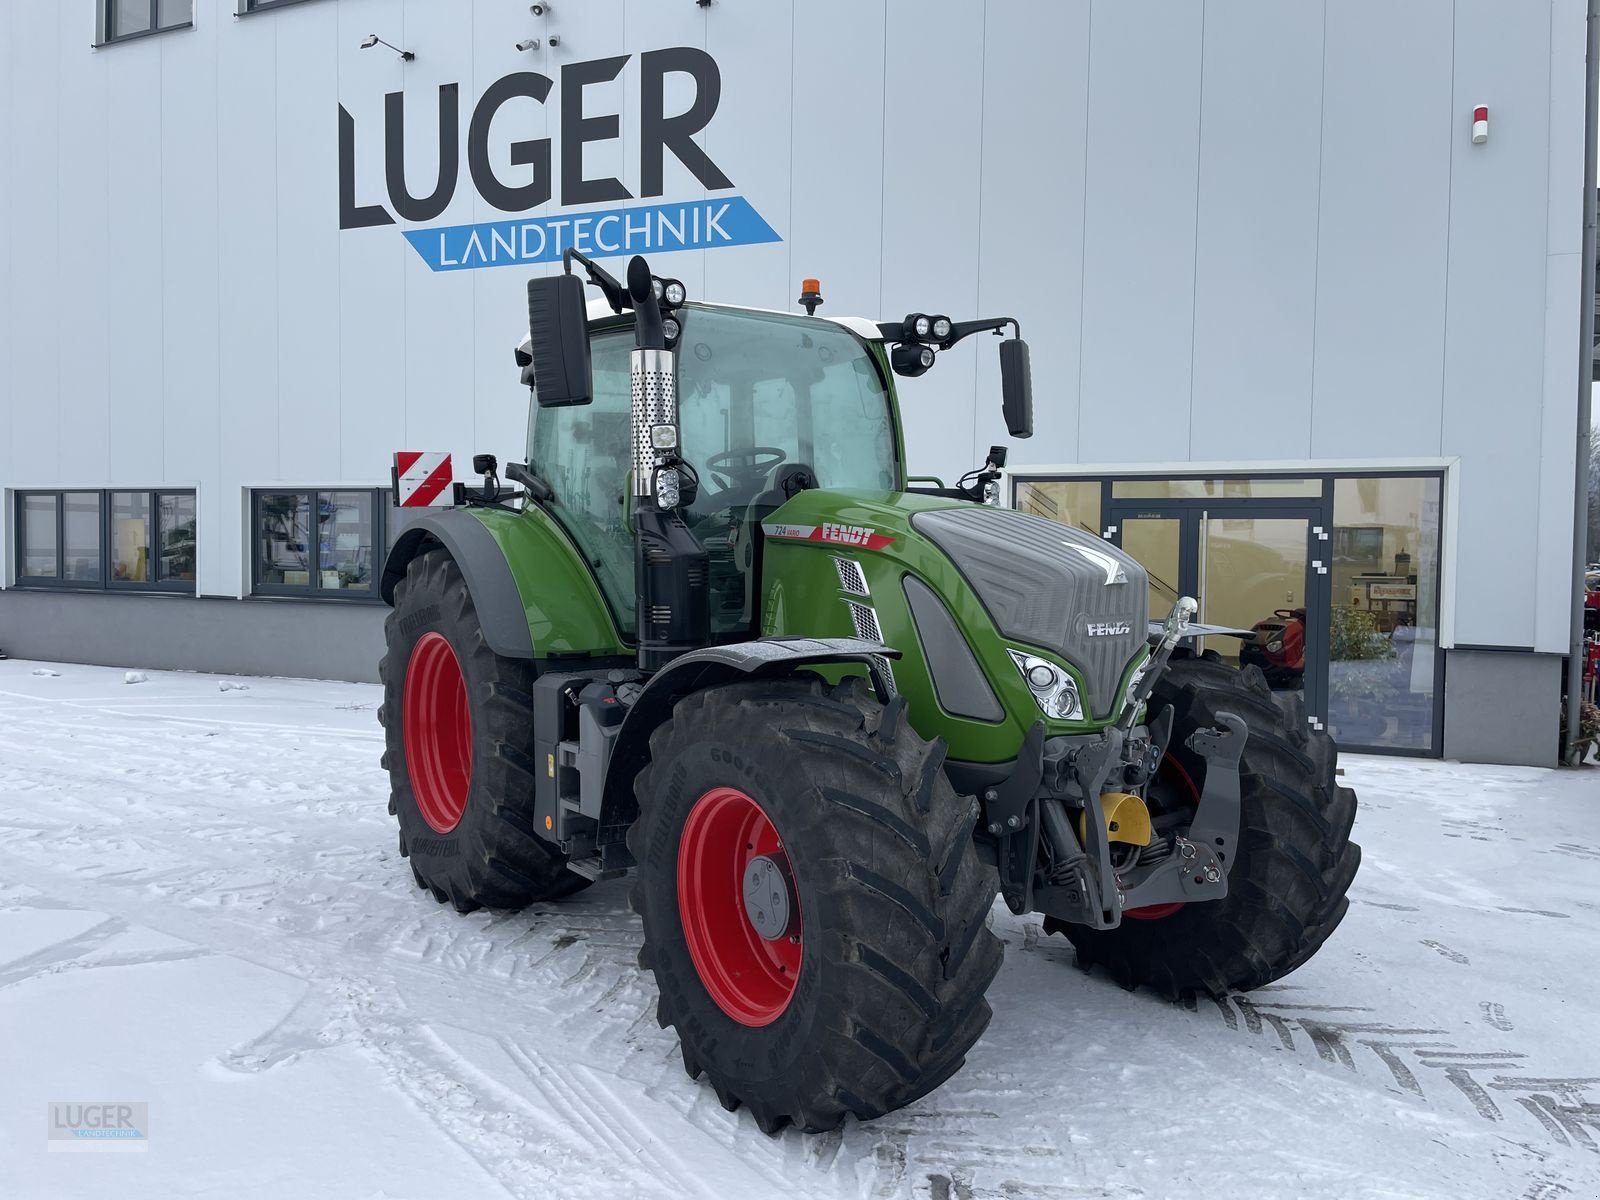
[1212,875]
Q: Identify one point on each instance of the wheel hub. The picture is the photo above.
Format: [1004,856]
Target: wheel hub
[767,901]
[436,730]
[739,908]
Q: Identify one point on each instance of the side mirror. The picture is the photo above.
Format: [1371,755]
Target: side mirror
[558,341]
[1016,387]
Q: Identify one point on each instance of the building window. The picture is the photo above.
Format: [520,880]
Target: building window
[1074,502]
[1384,617]
[38,538]
[110,540]
[322,544]
[124,19]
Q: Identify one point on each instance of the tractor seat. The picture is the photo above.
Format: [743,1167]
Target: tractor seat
[786,481]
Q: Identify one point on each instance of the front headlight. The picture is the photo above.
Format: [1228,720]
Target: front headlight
[1052,688]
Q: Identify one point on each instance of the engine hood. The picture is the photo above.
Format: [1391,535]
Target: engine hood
[1049,586]
[1009,579]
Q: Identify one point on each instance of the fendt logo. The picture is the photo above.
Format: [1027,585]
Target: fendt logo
[527,179]
[847,535]
[1107,628]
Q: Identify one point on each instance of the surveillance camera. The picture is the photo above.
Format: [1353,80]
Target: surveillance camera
[528,44]
[537,9]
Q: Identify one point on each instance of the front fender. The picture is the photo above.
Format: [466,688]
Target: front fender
[705,668]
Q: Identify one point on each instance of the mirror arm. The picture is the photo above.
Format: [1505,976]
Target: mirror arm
[538,489]
[965,329]
[616,295]
[895,331]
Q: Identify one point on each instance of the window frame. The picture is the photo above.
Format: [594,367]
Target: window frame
[107,24]
[247,8]
[105,584]
[313,589]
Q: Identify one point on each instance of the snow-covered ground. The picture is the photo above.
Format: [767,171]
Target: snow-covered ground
[202,908]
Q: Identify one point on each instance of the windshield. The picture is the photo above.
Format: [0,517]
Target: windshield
[805,391]
[764,400]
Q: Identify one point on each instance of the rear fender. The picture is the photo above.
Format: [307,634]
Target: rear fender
[534,594]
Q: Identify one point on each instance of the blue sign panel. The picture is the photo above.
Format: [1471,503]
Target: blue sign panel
[603,233]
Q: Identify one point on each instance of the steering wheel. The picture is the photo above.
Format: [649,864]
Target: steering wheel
[746,464]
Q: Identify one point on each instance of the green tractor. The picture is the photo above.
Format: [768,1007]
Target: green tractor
[716,639]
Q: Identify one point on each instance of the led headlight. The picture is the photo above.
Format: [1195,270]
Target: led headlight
[673,293]
[1052,688]
[920,326]
[941,328]
[670,329]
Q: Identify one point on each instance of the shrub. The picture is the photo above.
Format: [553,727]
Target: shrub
[1588,727]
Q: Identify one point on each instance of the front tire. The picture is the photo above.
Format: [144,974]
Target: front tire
[1295,859]
[458,728]
[867,988]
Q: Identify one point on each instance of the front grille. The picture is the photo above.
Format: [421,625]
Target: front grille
[1050,586]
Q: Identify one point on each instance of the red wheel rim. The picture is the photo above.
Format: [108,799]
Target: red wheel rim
[437,728]
[1184,783]
[750,978]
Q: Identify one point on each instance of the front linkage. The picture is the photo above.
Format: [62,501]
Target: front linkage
[1100,777]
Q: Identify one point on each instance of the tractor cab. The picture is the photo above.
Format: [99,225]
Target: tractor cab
[768,405]
[669,430]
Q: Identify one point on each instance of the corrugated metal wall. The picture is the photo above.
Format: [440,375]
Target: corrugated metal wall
[1232,230]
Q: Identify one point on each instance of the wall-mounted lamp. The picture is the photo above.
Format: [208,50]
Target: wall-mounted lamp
[528,44]
[373,39]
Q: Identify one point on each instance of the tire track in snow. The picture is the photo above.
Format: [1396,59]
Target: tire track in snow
[1566,1108]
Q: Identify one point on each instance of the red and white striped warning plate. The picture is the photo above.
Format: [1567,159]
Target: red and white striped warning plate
[420,478]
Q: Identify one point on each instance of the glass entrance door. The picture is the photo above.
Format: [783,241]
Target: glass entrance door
[1250,566]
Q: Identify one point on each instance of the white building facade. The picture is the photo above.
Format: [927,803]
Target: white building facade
[1298,339]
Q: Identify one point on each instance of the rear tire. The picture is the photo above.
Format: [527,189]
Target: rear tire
[461,777]
[1295,860]
[882,996]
